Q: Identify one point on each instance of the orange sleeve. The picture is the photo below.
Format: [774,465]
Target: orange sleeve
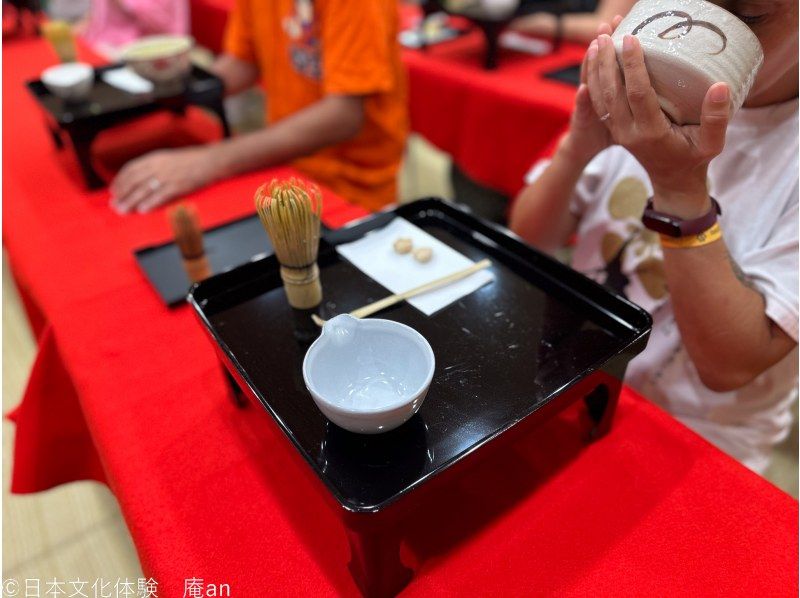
[238,39]
[356,52]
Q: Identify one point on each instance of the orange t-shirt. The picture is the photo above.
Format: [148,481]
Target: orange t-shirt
[306,49]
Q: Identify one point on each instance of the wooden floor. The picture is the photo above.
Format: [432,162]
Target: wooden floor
[76,531]
[71,532]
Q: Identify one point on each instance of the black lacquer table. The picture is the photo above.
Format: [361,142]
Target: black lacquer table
[535,340]
[492,28]
[108,106]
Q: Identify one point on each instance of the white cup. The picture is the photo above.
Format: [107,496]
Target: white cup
[688,46]
[368,376]
[72,81]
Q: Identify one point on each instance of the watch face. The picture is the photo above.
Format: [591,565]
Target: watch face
[661,223]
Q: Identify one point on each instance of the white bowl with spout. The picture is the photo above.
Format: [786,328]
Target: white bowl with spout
[688,46]
[368,376]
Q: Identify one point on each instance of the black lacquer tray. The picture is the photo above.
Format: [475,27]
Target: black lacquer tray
[539,337]
[570,75]
[492,28]
[227,246]
[108,106]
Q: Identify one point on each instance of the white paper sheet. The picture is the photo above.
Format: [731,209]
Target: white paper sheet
[522,43]
[375,256]
[125,79]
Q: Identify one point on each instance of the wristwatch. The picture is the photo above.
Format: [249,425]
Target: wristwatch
[673,226]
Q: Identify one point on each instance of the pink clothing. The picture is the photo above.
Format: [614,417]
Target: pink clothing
[115,23]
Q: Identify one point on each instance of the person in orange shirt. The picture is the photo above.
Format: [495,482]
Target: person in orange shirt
[336,104]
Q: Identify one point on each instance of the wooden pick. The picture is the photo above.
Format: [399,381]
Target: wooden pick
[368,310]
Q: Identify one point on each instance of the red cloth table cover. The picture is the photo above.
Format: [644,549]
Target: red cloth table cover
[494,124]
[207,22]
[126,391]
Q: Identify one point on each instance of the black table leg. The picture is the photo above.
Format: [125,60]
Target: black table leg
[375,560]
[491,31]
[236,394]
[178,110]
[601,405]
[218,108]
[56,135]
[82,142]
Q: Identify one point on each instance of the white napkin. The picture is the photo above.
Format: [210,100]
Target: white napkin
[522,43]
[375,256]
[125,79]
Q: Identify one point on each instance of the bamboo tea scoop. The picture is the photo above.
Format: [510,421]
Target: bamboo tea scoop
[368,310]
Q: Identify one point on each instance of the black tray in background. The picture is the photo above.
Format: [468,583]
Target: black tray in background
[570,74]
[537,332]
[227,246]
[106,101]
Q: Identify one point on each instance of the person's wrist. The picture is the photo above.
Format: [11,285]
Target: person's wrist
[216,163]
[578,154]
[687,204]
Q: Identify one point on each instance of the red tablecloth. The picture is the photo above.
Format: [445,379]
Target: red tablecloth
[495,124]
[208,18]
[126,391]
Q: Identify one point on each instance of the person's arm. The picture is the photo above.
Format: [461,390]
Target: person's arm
[720,314]
[330,121]
[155,178]
[236,74]
[574,27]
[721,317]
[541,212]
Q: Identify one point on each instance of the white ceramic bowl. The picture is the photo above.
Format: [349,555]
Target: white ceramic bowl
[160,58]
[490,10]
[72,80]
[368,376]
[689,45]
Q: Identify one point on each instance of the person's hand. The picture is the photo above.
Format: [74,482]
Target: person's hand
[542,24]
[675,157]
[157,177]
[587,136]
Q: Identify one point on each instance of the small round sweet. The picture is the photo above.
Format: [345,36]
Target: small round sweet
[423,255]
[403,245]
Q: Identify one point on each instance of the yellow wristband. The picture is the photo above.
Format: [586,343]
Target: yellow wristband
[707,236]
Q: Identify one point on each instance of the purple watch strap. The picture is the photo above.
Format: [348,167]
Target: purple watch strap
[673,226]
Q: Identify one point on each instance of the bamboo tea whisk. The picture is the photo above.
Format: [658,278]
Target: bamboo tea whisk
[290,212]
[189,239]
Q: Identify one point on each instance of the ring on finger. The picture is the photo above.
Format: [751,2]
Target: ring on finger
[605,117]
[154,184]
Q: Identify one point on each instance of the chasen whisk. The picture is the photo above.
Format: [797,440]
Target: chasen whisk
[290,212]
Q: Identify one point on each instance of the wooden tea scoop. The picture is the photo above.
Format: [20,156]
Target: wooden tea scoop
[368,310]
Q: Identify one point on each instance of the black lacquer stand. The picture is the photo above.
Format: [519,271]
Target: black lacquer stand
[374,538]
[492,29]
[108,107]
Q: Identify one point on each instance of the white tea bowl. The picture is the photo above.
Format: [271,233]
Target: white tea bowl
[688,46]
[160,58]
[491,10]
[71,81]
[368,376]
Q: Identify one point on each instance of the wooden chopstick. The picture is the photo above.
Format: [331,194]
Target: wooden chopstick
[368,310]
